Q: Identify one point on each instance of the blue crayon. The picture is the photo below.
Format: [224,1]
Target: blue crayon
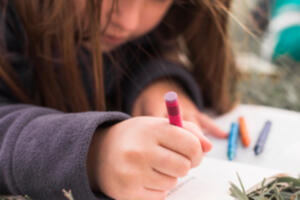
[233,141]
[259,146]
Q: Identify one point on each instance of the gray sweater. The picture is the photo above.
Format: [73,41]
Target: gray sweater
[43,150]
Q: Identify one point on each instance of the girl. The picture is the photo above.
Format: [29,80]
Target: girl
[72,72]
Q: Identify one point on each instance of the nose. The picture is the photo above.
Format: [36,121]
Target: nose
[126,14]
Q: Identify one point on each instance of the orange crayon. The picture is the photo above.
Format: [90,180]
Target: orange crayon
[244,132]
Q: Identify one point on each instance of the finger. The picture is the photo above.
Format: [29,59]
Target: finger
[191,118]
[196,130]
[181,141]
[150,194]
[169,163]
[209,126]
[159,181]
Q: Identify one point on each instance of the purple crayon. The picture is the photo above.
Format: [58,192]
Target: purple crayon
[259,146]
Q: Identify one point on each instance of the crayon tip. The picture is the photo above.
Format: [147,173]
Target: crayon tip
[247,143]
[257,150]
[231,156]
[171,96]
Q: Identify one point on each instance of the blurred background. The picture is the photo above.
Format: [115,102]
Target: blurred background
[266,41]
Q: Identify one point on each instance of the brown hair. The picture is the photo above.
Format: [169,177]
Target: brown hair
[55,34]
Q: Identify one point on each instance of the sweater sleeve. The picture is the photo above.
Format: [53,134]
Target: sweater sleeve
[43,151]
[157,69]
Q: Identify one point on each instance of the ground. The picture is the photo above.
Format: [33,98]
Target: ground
[263,82]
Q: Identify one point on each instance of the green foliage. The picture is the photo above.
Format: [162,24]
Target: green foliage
[15,197]
[68,194]
[279,188]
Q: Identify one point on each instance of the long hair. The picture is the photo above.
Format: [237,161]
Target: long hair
[203,24]
[54,35]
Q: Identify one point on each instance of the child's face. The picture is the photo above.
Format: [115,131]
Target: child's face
[130,19]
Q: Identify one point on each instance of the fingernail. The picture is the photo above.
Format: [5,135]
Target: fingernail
[226,135]
[208,145]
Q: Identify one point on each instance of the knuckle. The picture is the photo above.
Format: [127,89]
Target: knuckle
[132,194]
[165,159]
[157,196]
[133,155]
[184,168]
[197,161]
[126,185]
[200,160]
[194,148]
[195,126]
[126,175]
[190,124]
[172,183]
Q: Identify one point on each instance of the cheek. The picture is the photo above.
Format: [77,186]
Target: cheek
[149,19]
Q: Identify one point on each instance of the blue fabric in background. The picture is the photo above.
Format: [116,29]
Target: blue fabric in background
[288,43]
[287,37]
[281,5]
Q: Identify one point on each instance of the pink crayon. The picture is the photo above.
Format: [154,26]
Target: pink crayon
[171,100]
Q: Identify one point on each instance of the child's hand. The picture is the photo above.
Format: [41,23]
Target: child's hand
[151,103]
[142,157]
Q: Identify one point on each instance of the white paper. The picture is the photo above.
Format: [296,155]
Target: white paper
[211,180]
[282,149]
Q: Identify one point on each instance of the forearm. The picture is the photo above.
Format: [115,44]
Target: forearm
[47,148]
[157,70]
